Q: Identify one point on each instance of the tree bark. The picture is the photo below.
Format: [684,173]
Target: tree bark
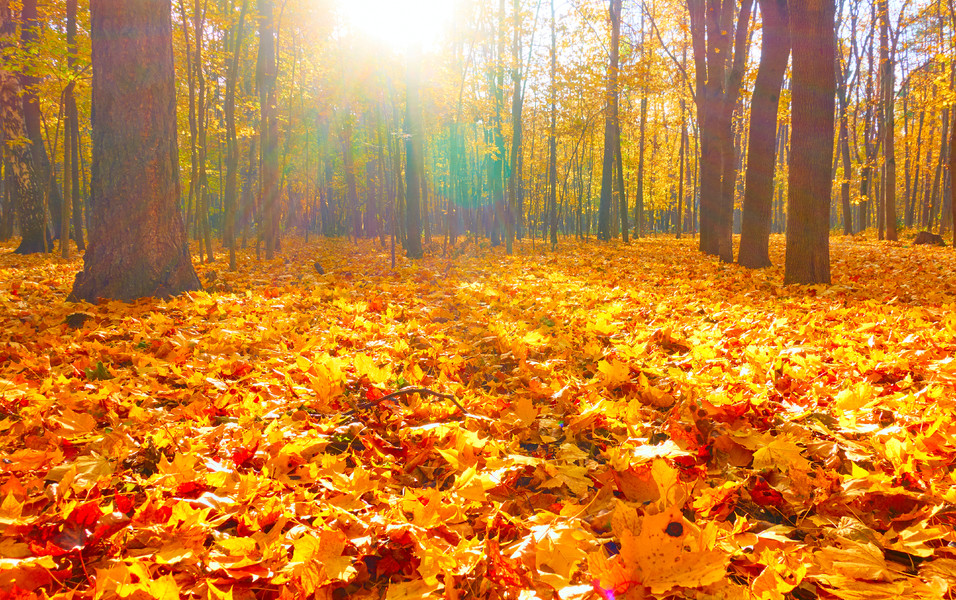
[811,160]
[26,191]
[552,137]
[266,73]
[138,239]
[762,146]
[33,118]
[232,142]
[712,32]
[610,125]
[952,169]
[888,80]
[73,131]
[515,187]
[413,152]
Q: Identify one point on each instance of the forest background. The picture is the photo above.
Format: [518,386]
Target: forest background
[511,409]
[340,112]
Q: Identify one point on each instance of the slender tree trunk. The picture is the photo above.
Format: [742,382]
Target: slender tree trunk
[413,152]
[641,145]
[844,143]
[33,118]
[952,169]
[138,240]
[232,141]
[811,162]
[552,137]
[202,195]
[761,152]
[72,142]
[682,159]
[517,101]
[888,80]
[266,72]
[610,125]
[936,192]
[191,90]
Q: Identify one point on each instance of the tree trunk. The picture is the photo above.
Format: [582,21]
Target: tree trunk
[413,152]
[517,100]
[811,159]
[761,148]
[266,72]
[552,137]
[232,142]
[641,145]
[610,125]
[33,118]
[952,169]
[73,131]
[202,194]
[138,238]
[888,79]
[712,26]
[25,193]
[729,145]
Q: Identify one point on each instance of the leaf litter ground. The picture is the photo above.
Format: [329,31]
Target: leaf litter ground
[640,422]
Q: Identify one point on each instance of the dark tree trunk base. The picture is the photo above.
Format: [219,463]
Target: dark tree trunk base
[31,246]
[136,278]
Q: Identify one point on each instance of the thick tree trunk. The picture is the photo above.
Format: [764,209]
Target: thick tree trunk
[26,191]
[761,148]
[137,239]
[811,160]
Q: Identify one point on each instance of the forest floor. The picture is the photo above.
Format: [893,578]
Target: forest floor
[603,421]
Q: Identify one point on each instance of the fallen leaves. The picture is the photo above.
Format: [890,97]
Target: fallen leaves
[695,431]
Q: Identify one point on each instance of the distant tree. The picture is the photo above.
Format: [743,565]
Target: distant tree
[32,116]
[137,236]
[266,73]
[231,195]
[811,153]
[553,138]
[888,120]
[26,183]
[413,153]
[762,147]
[612,129]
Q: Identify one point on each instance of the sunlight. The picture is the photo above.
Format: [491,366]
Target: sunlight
[400,25]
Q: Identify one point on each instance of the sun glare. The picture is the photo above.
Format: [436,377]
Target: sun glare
[401,25]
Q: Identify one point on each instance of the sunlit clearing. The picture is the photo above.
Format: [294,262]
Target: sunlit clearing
[401,25]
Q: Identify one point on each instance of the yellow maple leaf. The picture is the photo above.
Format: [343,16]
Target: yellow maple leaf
[782,454]
[615,373]
[661,552]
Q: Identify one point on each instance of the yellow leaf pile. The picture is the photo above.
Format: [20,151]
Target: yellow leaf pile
[598,422]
